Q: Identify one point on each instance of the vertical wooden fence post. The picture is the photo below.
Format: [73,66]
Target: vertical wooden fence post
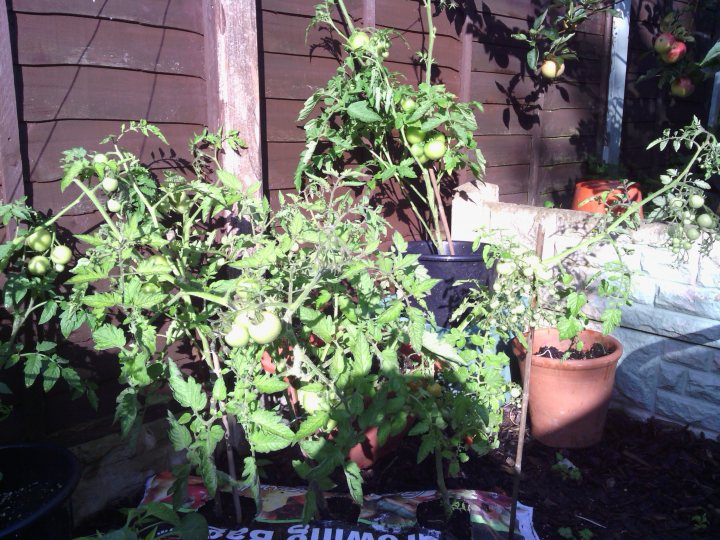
[233,80]
[11,170]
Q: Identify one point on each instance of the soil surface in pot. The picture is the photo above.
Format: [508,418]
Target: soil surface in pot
[20,502]
[645,480]
[596,351]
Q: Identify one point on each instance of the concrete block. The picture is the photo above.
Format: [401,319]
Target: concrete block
[696,357]
[709,271]
[643,289]
[637,372]
[683,298]
[668,323]
[688,411]
[704,386]
[659,263]
[673,378]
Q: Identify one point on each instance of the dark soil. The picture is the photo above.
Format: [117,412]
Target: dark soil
[596,351]
[645,480]
[18,503]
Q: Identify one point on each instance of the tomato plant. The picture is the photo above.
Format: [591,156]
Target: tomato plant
[365,107]
[301,302]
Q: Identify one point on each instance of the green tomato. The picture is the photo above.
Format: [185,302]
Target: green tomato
[151,288]
[38,265]
[99,158]
[436,136]
[59,267]
[39,240]
[312,402]
[243,318]
[358,40]
[705,220]
[266,329]
[696,201]
[180,202]
[414,135]
[160,264]
[109,184]
[237,336]
[505,268]
[417,150]
[61,254]
[676,202]
[408,104]
[114,205]
[435,149]
[692,233]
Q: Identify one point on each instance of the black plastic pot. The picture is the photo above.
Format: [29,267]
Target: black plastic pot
[37,481]
[447,295]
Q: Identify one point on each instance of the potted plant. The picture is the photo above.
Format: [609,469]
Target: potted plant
[606,188]
[300,303]
[386,131]
[572,376]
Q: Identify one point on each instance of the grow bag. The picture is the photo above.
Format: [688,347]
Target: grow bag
[37,481]
[447,295]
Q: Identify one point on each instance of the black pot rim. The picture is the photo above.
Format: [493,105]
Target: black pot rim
[58,498]
[436,257]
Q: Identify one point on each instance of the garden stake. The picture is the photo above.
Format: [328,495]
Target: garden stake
[441,210]
[229,430]
[539,241]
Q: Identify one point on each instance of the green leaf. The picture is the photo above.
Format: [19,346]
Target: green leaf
[126,410]
[568,328]
[269,385]
[311,425]
[391,313]
[610,318]
[108,337]
[354,481]
[164,512]
[532,58]
[360,110]
[33,365]
[219,392]
[70,173]
[193,526]
[51,375]
[362,359]
[432,342]
[229,180]
[187,393]
[575,302]
[48,311]
[320,325]
[179,435]
[102,300]
[264,442]
[271,423]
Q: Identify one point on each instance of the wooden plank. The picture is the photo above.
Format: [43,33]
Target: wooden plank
[11,168]
[292,77]
[47,140]
[571,122]
[559,150]
[510,179]
[505,150]
[505,120]
[68,92]
[181,14]
[307,8]
[286,34]
[560,177]
[409,15]
[59,39]
[234,44]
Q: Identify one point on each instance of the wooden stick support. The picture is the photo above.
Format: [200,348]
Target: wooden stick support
[539,241]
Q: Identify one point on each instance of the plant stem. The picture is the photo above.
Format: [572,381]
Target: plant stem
[346,16]
[440,477]
[91,195]
[431,43]
[632,210]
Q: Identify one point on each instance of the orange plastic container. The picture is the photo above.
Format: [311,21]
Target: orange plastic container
[584,189]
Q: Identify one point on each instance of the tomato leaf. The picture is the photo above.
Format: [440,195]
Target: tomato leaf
[354,481]
[360,110]
[108,337]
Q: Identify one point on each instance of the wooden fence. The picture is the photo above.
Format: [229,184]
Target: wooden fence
[81,68]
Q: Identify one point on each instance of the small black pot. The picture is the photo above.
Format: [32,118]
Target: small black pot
[446,296]
[38,479]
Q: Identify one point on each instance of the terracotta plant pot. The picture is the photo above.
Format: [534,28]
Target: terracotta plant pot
[569,399]
[584,189]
